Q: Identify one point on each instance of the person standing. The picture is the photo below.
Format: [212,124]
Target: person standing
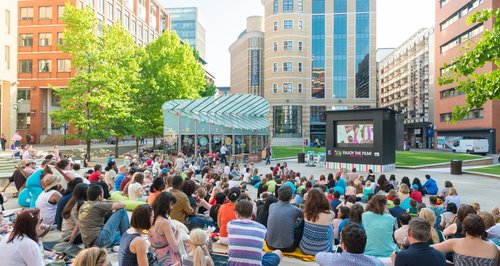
[223,152]
[16,139]
[3,140]
[268,155]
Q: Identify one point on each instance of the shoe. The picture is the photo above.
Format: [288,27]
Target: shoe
[116,249]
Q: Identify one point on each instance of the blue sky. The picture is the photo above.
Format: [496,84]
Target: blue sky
[224,20]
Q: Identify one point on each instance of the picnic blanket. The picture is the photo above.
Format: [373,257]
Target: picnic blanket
[296,254]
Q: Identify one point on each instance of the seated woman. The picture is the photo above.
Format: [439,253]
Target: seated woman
[156,188]
[34,182]
[92,257]
[455,230]
[164,244]
[448,215]
[453,197]
[227,213]
[355,216]
[318,231]
[48,199]
[429,216]
[133,247]
[135,190]
[70,227]
[198,252]
[379,226]
[472,249]
[404,196]
[263,210]
[21,246]
[342,215]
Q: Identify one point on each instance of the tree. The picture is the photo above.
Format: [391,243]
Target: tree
[98,98]
[169,71]
[478,87]
[209,90]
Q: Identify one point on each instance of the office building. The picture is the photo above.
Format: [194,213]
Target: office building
[381,54]
[8,66]
[185,22]
[452,35]
[42,64]
[406,82]
[319,55]
[247,59]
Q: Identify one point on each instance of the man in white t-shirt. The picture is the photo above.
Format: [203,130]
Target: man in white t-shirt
[232,183]
[223,152]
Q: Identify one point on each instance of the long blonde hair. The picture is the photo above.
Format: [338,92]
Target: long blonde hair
[198,238]
[91,257]
[430,217]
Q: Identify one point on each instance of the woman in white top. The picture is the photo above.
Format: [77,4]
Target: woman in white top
[109,176]
[21,246]
[48,199]
[135,190]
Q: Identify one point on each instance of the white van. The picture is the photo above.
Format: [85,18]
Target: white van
[480,146]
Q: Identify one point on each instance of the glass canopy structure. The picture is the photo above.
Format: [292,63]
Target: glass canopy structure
[198,126]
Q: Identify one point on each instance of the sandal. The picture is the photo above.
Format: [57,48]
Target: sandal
[15,194]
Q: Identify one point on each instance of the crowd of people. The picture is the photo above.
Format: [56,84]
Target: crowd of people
[186,204]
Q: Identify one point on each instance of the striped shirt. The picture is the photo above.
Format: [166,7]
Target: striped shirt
[246,240]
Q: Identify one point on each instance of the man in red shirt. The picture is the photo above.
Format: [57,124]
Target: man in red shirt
[276,169]
[97,174]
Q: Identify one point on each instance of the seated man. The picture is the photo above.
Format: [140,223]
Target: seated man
[419,252]
[430,186]
[284,230]
[91,219]
[353,245]
[182,210]
[246,239]
[401,234]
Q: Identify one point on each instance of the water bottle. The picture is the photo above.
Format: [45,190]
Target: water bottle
[40,245]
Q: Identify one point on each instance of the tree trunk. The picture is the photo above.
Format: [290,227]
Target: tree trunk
[116,148]
[154,142]
[136,144]
[88,149]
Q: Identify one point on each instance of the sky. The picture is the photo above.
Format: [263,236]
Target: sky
[224,20]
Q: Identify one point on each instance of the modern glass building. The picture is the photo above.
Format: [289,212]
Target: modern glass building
[198,126]
[185,22]
[319,55]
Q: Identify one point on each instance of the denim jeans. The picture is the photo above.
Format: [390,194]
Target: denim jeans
[116,225]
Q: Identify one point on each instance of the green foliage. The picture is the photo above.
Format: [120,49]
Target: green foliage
[169,71]
[209,90]
[98,100]
[478,88]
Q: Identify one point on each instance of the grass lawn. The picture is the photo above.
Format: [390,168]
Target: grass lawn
[408,158]
[403,158]
[288,151]
[495,169]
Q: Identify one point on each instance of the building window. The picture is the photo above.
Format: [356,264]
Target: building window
[91,3]
[60,36]
[118,13]
[300,6]
[111,9]
[23,121]
[299,88]
[340,50]
[287,121]
[318,114]
[301,48]
[63,65]
[23,94]
[287,87]
[362,65]
[26,40]
[275,46]
[275,26]
[101,6]
[450,93]
[444,2]
[44,66]
[152,16]
[300,25]
[7,21]
[26,13]
[134,27]
[275,88]
[25,66]
[287,45]
[288,24]
[44,39]
[275,67]
[54,99]
[60,11]
[318,52]
[476,30]
[142,9]
[275,7]
[129,4]
[287,6]
[126,22]
[45,12]
[300,66]
[7,57]
[287,67]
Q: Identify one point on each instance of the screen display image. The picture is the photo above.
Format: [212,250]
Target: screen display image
[354,134]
